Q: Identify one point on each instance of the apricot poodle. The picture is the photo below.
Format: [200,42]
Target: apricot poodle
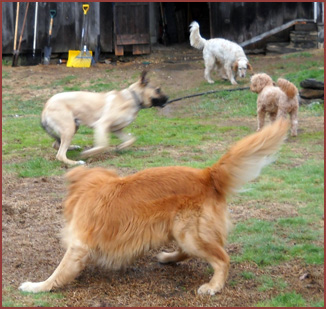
[276,100]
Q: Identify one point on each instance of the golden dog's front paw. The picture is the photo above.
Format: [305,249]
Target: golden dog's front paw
[33,287]
[209,289]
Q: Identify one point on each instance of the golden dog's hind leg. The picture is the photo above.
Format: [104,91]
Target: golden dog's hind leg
[73,262]
[172,257]
[215,255]
[193,245]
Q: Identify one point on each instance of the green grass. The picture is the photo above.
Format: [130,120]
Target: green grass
[310,68]
[35,168]
[260,243]
[298,55]
[266,283]
[303,73]
[284,300]
[30,299]
[248,275]
[223,104]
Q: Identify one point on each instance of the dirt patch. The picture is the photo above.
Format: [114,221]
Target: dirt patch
[32,218]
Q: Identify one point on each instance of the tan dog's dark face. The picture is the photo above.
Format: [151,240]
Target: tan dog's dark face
[152,95]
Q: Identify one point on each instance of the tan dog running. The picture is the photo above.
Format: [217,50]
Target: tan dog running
[105,112]
[113,220]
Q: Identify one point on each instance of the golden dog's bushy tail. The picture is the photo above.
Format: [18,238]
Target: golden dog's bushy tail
[244,161]
[195,38]
[290,89]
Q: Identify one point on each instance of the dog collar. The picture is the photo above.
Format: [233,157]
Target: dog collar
[136,99]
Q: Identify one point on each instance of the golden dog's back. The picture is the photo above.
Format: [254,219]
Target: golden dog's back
[120,218]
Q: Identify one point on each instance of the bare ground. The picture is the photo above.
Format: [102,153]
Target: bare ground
[31,214]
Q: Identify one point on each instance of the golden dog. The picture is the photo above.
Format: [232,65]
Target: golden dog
[113,220]
[105,112]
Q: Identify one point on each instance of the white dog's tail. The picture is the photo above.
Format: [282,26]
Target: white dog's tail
[195,38]
[244,161]
[290,89]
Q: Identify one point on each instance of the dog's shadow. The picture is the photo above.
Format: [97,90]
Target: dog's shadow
[110,154]
[147,272]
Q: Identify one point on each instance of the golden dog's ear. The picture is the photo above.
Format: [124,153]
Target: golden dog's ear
[249,67]
[143,80]
[235,66]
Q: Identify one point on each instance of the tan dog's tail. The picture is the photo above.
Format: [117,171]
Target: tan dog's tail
[244,161]
[290,89]
[195,38]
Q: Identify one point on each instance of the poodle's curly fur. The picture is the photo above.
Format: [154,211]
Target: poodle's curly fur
[276,100]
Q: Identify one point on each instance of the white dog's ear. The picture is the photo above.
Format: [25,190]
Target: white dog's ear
[249,67]
[235,66]
[143,80]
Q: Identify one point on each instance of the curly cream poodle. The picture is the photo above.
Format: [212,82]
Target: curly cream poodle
[276,100]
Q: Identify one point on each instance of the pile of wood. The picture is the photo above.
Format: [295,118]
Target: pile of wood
[312,90]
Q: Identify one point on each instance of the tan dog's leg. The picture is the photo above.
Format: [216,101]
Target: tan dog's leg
[101,140]
[127,139]
[66,138]
[172,257]
[56,146]
[73,262]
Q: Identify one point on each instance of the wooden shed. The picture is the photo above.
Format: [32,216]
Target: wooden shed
[112,26]
[120,27]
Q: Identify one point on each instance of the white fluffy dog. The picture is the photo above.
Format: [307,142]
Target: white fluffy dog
[227,56]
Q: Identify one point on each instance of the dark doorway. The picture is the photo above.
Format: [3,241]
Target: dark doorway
[179,15]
